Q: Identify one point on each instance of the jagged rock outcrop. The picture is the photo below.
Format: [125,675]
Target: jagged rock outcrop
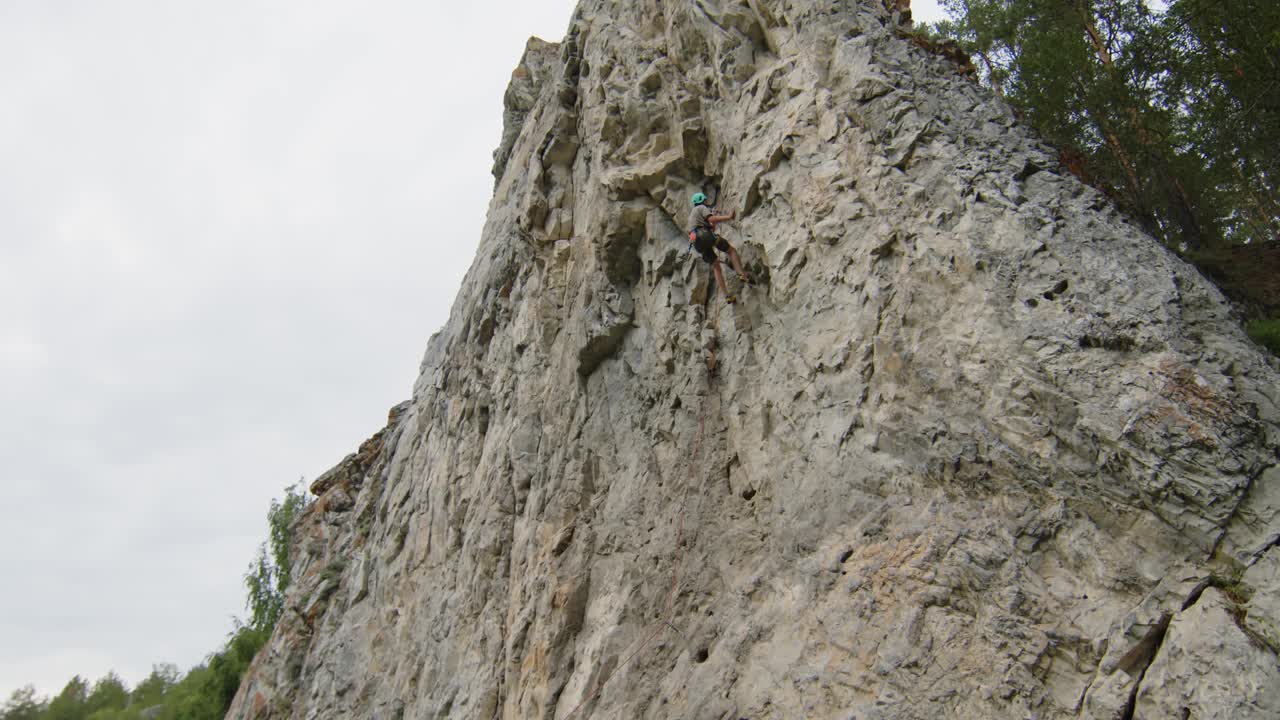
[975,447]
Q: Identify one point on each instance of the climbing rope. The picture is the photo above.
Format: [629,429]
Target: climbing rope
[632,651]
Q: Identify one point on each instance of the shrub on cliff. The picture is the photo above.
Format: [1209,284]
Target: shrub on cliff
[1266,333]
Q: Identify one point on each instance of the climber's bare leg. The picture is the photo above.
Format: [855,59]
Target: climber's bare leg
[735,261]
[715,270]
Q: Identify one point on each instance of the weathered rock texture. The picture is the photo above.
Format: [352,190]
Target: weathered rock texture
[975,447]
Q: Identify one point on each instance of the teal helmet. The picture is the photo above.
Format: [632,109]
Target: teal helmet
[698,198]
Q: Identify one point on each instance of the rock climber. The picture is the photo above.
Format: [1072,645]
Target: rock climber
[703,238]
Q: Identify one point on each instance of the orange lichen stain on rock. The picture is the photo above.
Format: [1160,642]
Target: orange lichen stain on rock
[1189,403]
[1183,386]
[889,563]
[533,668]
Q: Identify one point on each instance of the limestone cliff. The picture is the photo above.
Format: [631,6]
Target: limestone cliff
[973,446]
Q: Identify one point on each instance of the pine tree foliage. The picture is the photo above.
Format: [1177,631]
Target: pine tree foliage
[1175,112]
[1223,67]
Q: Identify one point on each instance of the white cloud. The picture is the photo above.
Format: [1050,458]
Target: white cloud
[22,355]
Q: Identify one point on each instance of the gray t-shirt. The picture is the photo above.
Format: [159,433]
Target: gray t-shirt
[698,217]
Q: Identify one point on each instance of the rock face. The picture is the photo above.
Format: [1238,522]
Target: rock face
[974,447]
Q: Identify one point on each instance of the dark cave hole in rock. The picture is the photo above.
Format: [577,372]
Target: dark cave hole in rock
[1056,290]
[1115,343]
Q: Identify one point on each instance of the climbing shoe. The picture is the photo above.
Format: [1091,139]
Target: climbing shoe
[730,299]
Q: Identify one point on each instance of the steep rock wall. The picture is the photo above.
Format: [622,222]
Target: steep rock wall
[973,447]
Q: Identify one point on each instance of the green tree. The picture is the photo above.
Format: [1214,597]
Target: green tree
[190,698]
[23,705]
[109,693]
[1221,64]
[207,690]
[268,575]
[70,703]
[151,691]
[1174,113]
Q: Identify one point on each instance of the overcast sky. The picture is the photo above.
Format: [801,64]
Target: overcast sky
[226,232]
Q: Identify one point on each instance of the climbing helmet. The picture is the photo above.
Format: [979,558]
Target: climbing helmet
[698,198]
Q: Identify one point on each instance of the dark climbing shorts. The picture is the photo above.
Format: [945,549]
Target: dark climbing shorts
[706,243]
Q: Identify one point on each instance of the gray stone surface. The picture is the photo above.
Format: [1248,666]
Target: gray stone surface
[1209,668]
[975,447]
[1262,609]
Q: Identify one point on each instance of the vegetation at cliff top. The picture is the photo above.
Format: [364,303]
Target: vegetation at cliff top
[1171,109]
[1175,112]
[206,691]
[1265,333]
